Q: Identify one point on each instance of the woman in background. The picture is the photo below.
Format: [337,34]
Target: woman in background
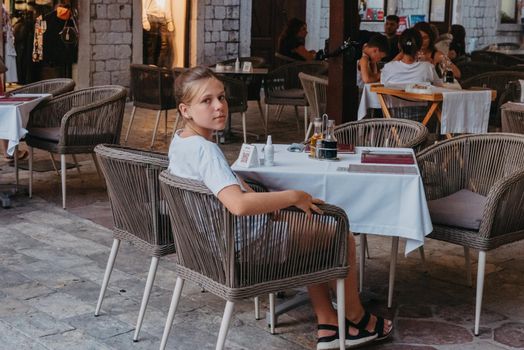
[291,42]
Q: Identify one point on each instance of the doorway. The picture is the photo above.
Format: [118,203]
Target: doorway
[268,18]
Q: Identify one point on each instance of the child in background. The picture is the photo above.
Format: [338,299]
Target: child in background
[372,52]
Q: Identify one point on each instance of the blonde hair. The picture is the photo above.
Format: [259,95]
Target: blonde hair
[188,84]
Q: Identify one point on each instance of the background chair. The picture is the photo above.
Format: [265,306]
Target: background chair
[55,87]
[496,58]
[236,94]
[253,82]
[396,133]
[507,46]
[471,69]
[498,81]
[152,88]
[220,252]
[315,89]
[282,87]
[281,60]
[474,185]
[75,123]
[139,213]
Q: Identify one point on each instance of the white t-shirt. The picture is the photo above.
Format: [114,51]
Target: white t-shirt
[196,158]
[417,72]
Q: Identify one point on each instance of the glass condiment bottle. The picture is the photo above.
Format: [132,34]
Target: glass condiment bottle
[317,135]
[330,141]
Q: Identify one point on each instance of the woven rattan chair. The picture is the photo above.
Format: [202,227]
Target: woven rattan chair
[75,123]
[220,252]
[253,81]
[471,69]
[496,58]
[491,165]
[315,88]
[139,213]
[236,94]
[55,87]
[281,60]
[282,87]
[396,133]
[499,81]
[513,120]
[152,88]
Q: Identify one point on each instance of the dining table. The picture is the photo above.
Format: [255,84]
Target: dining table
[457,110]
[14,115]
[379,199]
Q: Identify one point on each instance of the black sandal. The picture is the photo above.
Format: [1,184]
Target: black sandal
[330,341]
[379,326]
[363,336]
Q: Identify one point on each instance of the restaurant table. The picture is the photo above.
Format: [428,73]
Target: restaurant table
[450,123]
[379,199]
[14,114]
[512,117]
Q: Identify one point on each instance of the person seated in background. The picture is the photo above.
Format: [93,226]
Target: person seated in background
[291,42]
[390,30]
[372,52]
[408,69]
[457,47]
[429,53]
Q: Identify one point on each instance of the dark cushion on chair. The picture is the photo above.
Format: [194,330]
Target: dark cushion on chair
[460,209]
[289,93]
[51,134]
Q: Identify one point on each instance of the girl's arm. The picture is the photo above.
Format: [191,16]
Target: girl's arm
[253,203]
[367,74]
[308,55]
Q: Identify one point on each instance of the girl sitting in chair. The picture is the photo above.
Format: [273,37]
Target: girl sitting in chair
[203,105]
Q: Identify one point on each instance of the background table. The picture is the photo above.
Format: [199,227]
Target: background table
[14,117]
[376,203]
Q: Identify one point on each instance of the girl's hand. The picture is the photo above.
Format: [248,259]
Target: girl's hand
[306,203]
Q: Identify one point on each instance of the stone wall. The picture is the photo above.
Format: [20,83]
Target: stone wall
[221,30]
[111,41]
[324,22]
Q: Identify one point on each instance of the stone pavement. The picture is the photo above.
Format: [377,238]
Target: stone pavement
[52,263]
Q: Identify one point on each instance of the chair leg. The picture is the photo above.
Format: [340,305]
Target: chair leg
[53,162]
[272,312]
[97,166]
[468,266]
[224,326]
[362,260]
[257,308]
[130,123]
[260,109]
[423,257]
[156,129]
[145,298]
[30,172]
[244,126]
[280,108]
[165,127]
[341,313]
[392,269]
[308,131]
[297,117]
[107,274]
[63,174]
[480,288]
[172,309]
[76,163]
[15,156]
[266,119]
[306,123]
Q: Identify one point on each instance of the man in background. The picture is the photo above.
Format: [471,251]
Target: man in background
[390,29]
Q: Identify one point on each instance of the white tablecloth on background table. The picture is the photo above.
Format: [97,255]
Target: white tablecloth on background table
[370,100]
[465,111]
[376,203]
[14,117]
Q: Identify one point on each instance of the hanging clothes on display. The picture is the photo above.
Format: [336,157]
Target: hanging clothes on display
[11,75]
[23,29]
[59,51]
[157,21]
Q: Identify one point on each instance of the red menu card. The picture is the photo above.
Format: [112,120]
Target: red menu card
[17,99]
[387,158]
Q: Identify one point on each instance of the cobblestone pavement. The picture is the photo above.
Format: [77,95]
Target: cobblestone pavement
[52,263]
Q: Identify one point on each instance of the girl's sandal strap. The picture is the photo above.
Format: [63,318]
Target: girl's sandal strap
[362,324]
[327,327]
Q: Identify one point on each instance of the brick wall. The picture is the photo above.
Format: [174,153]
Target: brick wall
[111,41]
[221,30]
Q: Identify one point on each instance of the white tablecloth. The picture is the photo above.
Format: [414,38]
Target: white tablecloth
[370,100]
[376,203]
[14,117]
[465,111]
